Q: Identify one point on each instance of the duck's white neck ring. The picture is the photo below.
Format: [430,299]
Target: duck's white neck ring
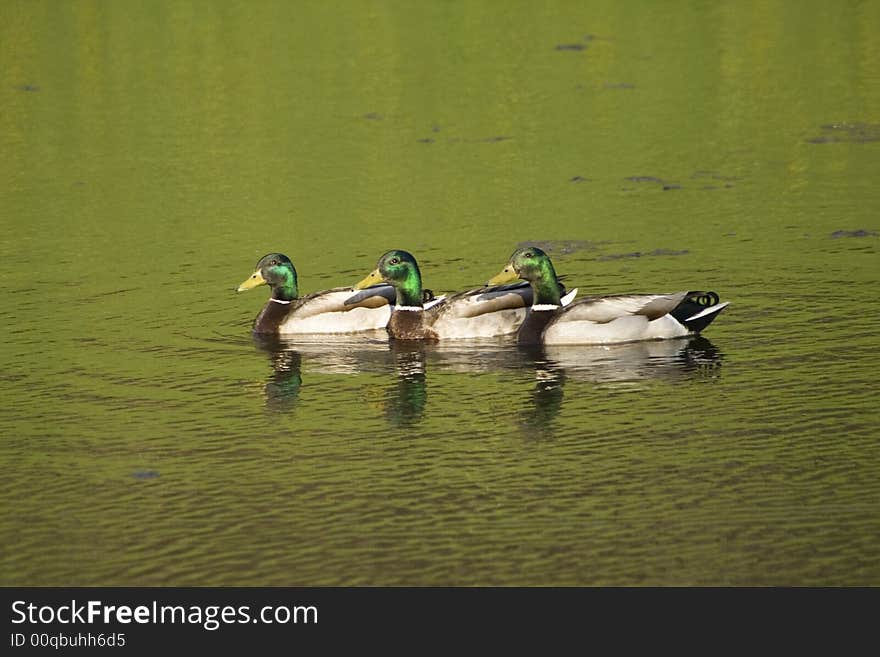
[279,300]
[544,306]
[412,309]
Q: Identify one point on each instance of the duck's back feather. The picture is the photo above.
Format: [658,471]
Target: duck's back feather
[606,309]
[375,294]
[483,312]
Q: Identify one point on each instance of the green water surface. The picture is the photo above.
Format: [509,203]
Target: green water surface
[153,151]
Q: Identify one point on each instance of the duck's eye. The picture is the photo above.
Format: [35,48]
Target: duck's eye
[274,263]
[394,261]
[529,255]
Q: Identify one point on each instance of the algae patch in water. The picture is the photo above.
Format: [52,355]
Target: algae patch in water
[562,247]
[856,133]
[837,234]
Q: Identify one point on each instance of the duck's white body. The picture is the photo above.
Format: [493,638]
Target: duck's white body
[334,322]
[626,318]
[333,312]
[484,313]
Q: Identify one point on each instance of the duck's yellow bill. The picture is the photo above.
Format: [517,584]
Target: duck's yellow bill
[373,279]
[255,280]
[507,275]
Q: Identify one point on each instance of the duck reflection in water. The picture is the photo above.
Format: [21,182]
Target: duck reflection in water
[405,400]
[545,402]
[635,362]
[627,364]
[283,385]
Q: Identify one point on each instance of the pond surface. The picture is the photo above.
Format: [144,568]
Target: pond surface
[153,152]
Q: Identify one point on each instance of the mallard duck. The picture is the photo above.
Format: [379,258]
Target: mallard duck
[320,312]
[602,319]
[477,313]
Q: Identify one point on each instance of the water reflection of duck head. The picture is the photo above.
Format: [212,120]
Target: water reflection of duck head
[405,400]
[283,384]
[545,401]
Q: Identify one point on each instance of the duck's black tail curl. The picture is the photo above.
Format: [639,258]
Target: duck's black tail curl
[698,310]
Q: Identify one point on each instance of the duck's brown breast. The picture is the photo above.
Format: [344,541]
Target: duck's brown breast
[410,325]
[532,328]
[272,316]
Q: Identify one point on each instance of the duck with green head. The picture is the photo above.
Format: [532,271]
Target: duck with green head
[320,312]
[602,319]
[400,269]
[475,313]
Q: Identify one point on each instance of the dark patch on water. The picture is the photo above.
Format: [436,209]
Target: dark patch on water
[579,179]
[483,140]
[666,186]
[702,174]
[713,175]
[837,234]
[668,252]
[111,293]
[561,247]
[28,87]
[642,254]
[426,140]
[578,47]
[145,474]
[856,133]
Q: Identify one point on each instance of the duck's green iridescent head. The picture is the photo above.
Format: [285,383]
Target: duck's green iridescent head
[277,271]
[533,265]
[400,269]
